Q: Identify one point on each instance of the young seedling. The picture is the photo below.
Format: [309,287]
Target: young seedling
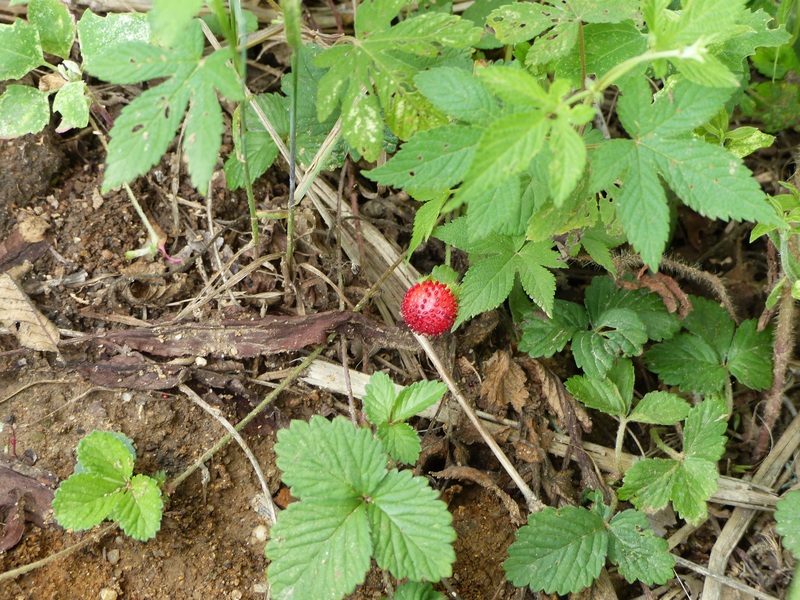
[103,486]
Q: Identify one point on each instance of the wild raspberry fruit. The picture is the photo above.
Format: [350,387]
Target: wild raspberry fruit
[429,308]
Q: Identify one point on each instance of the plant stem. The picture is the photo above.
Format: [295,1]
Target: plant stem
[623,424]
[782,354]
[292,165]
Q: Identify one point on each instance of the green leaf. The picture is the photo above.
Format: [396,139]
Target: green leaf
[84,500]
[401,441]
[411,528]
[605,46]
[506,148]
[375,76]
[689,362]
[100,34]
[319,548]
[569,160]
[417,397]
[353,461]
[73,104]
[704,434]
[425,220]
[56,25]
[712,323]
[501,210]
[412,590]
[545,337]
[489,279]
[23,110]
[379,398]
[169,18]
[139,508]
[261,150]
[690,481]
[706,178]
[600,394]
[433,160]
[103,454]
[641,555]
[559,551]
[614,332]
[146,127]
[457,93]
[20,50]
[660,324]
[787,517]
[660,408]
[520,22]
[750,356]
[743,141]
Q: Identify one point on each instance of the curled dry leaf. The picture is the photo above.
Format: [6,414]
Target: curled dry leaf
[31,328]
[482,479]
[558,398]
[504,383]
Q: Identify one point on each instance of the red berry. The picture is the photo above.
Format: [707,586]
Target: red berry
[429,308]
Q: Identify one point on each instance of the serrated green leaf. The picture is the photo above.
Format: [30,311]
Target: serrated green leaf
[84,500]
[598,245]
[520,22]
[401,441]
[623,329]
[688,362]
[143,132]
[750,356]
[417,397]
[704,434]
[545,337]
[432,160]
[100,34]
[515,86]
[353,460]
[569,160]
[501,210]
[709,321]
[600,394]
[412,590]
[425,220]
[457,93]
[707,178]
[690,481]
[379,398]
[373,15]
[139,508]
[169,18]
[23,110]
[319,548]
[787,517]
[659,323]
[73,104]
[506,148]
[146,127]
[743,141]
[103,454]
[411,528]
[20,49]
[648,483]
[605,46]
[558,551]
[660,408]
[592,354]
[382,65]
[261,150]
[56,25]
[532,263]
[486,284]
[641,555]
[202,135]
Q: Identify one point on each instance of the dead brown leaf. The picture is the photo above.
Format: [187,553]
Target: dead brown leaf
[504,383]
[31,328]
[560,401]
[26,494]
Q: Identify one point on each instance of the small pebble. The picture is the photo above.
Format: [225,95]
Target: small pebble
[113,556]
[108,594]
[260,533]
[236,595]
